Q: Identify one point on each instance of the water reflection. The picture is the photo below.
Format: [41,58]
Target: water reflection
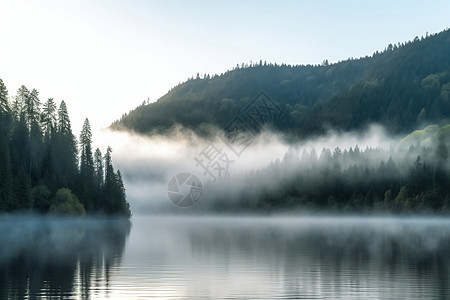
[200,257]
[296,258]
[43,257]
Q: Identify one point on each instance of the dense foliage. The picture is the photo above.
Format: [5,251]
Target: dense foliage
[39,165]
[402,88]
[353,180]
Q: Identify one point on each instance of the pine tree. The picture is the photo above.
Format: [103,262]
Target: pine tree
[20,146]
[6,184]
[108,187]
[86,180]
[6,179]
[36,151]
[63,119]
[32,108]
[98,164]
[4,107]
[86,160]
[21,98]
[64,150]
[124,206]
[48,118]
[114,197]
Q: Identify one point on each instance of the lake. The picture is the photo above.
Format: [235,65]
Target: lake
[225,257]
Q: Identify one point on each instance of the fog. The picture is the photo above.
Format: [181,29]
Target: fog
[149,162]
[218,256]
[58,239]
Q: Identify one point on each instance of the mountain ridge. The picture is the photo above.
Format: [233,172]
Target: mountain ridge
[402,88]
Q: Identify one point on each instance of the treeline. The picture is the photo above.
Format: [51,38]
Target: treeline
[410,89]
[353,180]
[44,169]
[402,88]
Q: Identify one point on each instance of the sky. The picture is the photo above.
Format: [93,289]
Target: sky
[104,58]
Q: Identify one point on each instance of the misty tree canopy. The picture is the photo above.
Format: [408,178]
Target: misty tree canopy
[412,180]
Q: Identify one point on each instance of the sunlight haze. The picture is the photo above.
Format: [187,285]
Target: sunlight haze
[110,56]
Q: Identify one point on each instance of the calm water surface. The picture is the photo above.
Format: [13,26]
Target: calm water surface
[187,257]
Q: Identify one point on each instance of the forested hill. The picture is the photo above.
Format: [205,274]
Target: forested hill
[43,168]
[404,87]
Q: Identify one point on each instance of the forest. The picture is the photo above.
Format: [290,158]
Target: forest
[403,88]
[45,169]
[402,180]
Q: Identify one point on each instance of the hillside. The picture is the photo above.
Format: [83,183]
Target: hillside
[403,88]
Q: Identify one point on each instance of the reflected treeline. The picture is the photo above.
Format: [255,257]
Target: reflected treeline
[58,257]
[363,250]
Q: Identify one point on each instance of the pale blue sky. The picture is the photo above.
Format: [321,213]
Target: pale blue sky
[106,57]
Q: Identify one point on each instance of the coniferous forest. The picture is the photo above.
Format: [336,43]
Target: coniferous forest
[412,180]
[403,88]
[44,169]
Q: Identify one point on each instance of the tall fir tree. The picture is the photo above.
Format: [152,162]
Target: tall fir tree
[32,108]
[99,170]
[4,106]
[64,150]
[86,178]
[48,118]
[6,178]
[18,106]
[114,197]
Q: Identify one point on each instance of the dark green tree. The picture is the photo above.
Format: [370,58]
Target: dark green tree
[48,118]
[86,178]
[86,159]
[114,197]
[64,151]
[6,179]
[32,108]
[4,106]
[99,170]
[21,98]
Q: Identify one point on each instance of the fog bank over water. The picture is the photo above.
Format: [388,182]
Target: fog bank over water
[60,239]
[216,257]
[149,162]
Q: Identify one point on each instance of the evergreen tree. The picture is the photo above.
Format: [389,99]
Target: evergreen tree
[86,160]
[64,150]
[64,127]
[32,108]
[33,114]
[108,188]
[4,107]
[20,146]
[48,118]
[21,98]
[124,206]
[6,179]
[98,164]
[114,197]
[86,181]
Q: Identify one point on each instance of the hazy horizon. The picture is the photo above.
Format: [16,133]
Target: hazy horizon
[111,56]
